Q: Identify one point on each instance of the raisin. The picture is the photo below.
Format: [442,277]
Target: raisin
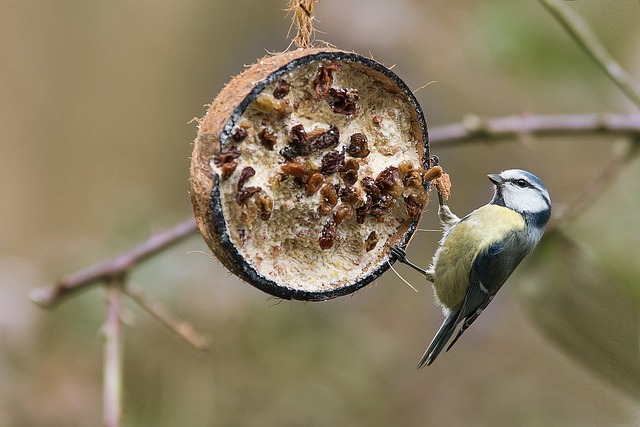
[239,134]
[349,172]
[265,205]
[412,180]
[328,199]
[331,162]
[267,104]
[388,178]
[227,169]
[328,235]
[343,213]
[324,79]
[267,138]
[345,101]
[295,168]
[363,211]
[351,196]
[417,194]
[246,173]
[244,193]
[314,183]
[382,205]
[282,89]
[433,173]
[358,146]
[370,187]
[377,120]
[413,208]
[405,167]
[324,140]
[299,145]
[226,156]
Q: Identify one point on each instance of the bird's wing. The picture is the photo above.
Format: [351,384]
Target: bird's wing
[478,296]
[489,271]
[485,279]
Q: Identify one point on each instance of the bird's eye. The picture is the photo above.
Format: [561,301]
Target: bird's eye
[521,183]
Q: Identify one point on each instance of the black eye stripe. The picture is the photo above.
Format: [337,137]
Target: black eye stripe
[522,183]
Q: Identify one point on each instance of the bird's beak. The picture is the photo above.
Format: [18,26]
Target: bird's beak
[496,179]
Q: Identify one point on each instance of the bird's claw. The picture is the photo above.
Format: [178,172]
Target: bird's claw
[401,256]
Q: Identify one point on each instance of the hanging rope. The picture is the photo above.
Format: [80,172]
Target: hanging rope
[303,20]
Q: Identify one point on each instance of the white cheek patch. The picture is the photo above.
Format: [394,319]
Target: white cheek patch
[524,199]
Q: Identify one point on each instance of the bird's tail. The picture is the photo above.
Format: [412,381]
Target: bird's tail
[440,340]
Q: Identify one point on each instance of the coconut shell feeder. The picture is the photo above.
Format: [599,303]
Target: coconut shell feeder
[306,169]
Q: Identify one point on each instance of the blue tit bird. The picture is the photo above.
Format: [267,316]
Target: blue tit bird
[478,253]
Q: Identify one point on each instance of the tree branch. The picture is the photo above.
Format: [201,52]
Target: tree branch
[112,393]
[180,327]
[473,127]
[118,266]
[579,30]
[470,129]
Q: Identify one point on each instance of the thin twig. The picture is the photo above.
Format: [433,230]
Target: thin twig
[113,355]
[180,327]
[118,266]
[538,125]
[579,30]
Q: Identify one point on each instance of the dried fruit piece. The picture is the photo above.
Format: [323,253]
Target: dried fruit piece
[387,178]
[332,162]
[282,89]
[371,187]
[328,235]
[433,173]
[267,137]
[226,156]
[324,79]
[349,172]
[414,209]
[325,139]
[267,104]
[243,193]
[295,168]
[342,213]
[314,183]
[299,145]
[227,169]
[264,202]
[358,146]
[328,199]
[345,101]
[239,134]
[350,195]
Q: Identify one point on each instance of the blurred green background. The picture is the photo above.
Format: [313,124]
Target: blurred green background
[95,102]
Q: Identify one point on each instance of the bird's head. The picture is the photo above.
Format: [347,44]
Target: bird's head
[522,192]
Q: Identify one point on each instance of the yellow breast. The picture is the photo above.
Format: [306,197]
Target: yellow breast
[454,258]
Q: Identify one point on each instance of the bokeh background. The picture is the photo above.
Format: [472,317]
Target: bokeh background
[96,100]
